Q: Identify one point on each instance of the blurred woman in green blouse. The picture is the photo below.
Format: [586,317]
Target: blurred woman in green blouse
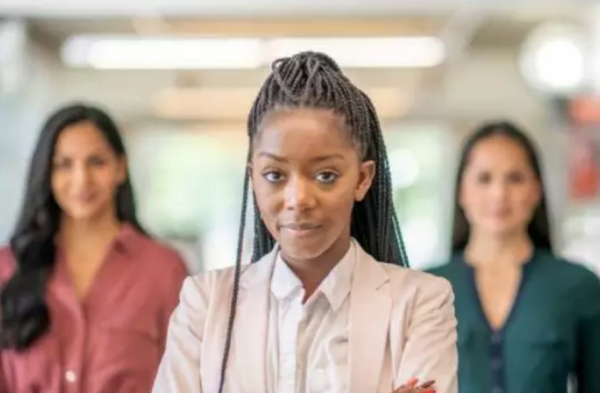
[528,321]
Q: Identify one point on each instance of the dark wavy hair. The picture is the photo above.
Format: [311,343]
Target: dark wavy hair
[314,80]
[539,227]
[25,314]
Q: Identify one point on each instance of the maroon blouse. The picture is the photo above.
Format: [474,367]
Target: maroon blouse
[112,341]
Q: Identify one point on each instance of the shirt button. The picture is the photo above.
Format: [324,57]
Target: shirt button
[496,338]
[70,376]
[496,364]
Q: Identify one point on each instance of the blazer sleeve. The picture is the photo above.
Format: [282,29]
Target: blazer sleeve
[179,370]
[588,332]
[430,350]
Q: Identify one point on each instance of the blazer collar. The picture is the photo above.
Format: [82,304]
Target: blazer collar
[370,309]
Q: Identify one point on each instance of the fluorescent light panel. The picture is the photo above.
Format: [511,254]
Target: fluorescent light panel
[161,53]
[133,52]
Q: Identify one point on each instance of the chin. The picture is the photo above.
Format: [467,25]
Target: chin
[83,213]
[304,249]
[503,230]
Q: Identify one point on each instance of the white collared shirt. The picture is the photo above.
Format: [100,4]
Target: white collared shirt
[308,343]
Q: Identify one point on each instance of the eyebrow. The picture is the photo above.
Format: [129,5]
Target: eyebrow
[335,156]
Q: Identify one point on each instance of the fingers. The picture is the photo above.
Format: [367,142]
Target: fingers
[408,386]
[411,387]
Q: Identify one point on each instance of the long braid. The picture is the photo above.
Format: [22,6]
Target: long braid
[314,80]
[236,281]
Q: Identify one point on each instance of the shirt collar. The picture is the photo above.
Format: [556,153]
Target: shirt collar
[336,286]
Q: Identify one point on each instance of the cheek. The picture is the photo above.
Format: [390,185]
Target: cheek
[269,201]
[106,179]
[58,183]
[339,202]
[528,200]
[471,198]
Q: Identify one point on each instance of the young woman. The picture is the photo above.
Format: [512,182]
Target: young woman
[86,294]
[528,320]
[316,311]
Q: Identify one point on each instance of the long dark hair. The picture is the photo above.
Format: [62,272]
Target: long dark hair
[539,227]
[25,314]
[314,80]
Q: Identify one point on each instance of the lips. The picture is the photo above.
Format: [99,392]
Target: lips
[85,197]
[300,226]
[301,229]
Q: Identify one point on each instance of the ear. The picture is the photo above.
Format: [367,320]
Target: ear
[367,173]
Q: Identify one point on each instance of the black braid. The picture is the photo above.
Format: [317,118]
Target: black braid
[314,80]
[236,280]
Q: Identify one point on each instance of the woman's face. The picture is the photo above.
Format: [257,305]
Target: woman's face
[499,190]
[307,174]
[86,172]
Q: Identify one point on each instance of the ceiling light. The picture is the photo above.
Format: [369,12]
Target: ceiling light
[120,52]
[138,52]
[366,52]
[553,59]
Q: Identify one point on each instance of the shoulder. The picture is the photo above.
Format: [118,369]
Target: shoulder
[422,298]
[566,271]
[218,283]
[449,269]
[157,248]
[421,284]
[406,282]
[577,278]
[155,254]
[7,263]
[223,278]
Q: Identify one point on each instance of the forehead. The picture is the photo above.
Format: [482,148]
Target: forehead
[499,152]
[303,132]
[80,136]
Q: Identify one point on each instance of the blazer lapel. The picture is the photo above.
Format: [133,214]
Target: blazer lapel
[370,309]
[251,327]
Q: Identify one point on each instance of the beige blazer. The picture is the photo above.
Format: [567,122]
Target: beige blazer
[402,325]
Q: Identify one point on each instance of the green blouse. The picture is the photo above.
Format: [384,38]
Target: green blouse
[551,334]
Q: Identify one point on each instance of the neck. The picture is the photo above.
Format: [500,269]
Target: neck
[490,251]
[78,234]
[311,272]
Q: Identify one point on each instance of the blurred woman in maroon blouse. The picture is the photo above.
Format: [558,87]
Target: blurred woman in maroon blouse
[86,295]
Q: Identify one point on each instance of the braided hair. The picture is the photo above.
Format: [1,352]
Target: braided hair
[314,80]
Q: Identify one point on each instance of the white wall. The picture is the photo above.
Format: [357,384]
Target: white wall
[22,111]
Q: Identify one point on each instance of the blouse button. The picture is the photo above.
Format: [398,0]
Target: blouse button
[70,376]
[496,338]
[496,363]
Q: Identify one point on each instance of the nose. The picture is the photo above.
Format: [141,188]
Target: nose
[81,174]
[499,190]
[299,194]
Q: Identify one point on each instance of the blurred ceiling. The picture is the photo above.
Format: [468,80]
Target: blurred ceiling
[257,8]
[486,26]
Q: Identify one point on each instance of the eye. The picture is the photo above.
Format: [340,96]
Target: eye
[516,177]
[96,161]
[272,176]
[62,164]
[327,177]
[484,177]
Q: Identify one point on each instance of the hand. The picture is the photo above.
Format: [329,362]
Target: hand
[412,386]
